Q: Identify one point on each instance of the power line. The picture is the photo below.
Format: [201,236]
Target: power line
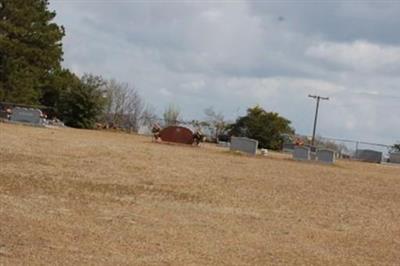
[318,98]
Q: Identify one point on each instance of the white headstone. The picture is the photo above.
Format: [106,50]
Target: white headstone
[301,153]
[245,145]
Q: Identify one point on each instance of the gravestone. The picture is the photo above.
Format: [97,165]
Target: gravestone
[245,145]
[288,147]
[394,157]
[370,156]
[26,115]
[177,134]
[326,156]
[301,153]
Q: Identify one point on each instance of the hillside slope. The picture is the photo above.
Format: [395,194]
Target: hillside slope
[72,196]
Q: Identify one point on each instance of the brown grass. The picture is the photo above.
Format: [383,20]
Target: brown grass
[86,197]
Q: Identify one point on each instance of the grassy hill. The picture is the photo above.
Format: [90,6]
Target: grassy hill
[72,196]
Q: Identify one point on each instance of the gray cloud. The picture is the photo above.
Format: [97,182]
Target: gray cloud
[236,54]
[342,21]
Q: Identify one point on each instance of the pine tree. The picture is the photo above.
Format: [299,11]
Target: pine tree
[30,49]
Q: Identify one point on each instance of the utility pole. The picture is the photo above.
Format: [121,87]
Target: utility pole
[318,98]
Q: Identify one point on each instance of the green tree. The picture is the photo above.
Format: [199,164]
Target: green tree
[54,87]
[82,105]
[266,127]
[30,49]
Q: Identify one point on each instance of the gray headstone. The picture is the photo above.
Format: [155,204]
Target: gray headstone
[301,153]
[369,156]
[244,145]
[394,157]
[26,115]
[288,147]
[326,156]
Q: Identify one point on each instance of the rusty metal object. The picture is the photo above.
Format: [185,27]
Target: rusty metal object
[177,134]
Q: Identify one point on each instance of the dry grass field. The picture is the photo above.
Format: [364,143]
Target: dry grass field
[73,197]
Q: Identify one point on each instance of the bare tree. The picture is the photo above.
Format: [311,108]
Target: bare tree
[171,115]
[124,107]
[149,117]
[216,122]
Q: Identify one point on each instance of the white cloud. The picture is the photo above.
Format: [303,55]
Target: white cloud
[233,55]
[358,56]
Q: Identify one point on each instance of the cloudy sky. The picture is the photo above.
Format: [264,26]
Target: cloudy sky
[235,54]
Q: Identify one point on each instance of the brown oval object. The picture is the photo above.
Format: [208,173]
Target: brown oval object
[177,134]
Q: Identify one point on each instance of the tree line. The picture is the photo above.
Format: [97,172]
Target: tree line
[31,73]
